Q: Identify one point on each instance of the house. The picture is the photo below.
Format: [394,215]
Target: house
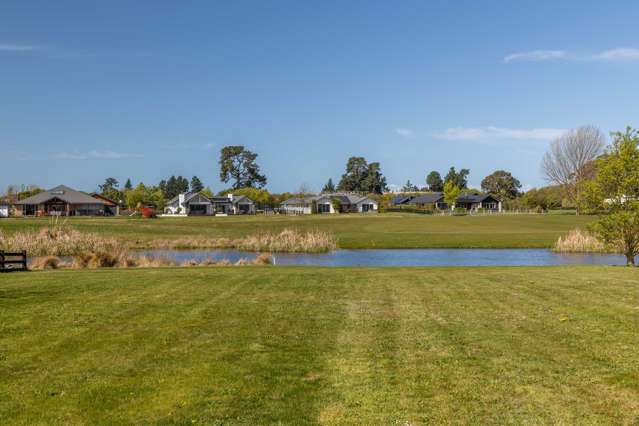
[466,200]
[330,203]
[198,204]
[111,208]
[60,201]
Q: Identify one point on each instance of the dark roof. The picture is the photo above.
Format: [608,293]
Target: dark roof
[64,193]
[401,199]
[469,197]
[433,198]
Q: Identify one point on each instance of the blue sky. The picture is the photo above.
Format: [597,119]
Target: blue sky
[149,89]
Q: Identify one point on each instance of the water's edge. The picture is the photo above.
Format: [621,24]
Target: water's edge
[403,257]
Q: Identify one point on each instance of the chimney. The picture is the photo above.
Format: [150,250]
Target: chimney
[181,200]
[230,197]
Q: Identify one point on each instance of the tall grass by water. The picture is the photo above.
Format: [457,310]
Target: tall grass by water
[286,241]
[58,239]
[580,241]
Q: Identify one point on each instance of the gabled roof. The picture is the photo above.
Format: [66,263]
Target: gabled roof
[469,197]
[401,199]
[433,198]
[103,198]
[63,193]
[242,199]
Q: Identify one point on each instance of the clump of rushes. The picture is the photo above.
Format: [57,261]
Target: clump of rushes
[579,241]
[58,239]
[289,240]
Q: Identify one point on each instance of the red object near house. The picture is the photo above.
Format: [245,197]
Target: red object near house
[147,212]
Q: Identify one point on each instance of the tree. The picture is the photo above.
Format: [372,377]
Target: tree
[238,164]
[329,187]
[451,193]
[502,184]
[435,182]
[356,170]
[374,182]
[615,190]
[110,190]
[409,187]
[460,180]
[173,186]
[362,177]
[567,161]
[128,185]
[196,184]
[143,195]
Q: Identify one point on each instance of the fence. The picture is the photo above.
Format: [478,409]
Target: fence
[13,261]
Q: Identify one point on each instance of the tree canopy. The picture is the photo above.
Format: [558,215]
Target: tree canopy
[329,187]
[238,165]
[459,179]
[173,186]
[502,184]
[615,190]
[434,181]
[451,192]
[110,190]
[196,184]
[362,177]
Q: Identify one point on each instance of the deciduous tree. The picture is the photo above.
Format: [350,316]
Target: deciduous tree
[615,190]
[567,161]
[502,184]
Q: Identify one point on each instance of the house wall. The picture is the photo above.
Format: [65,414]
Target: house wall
[360,206]
[326,204]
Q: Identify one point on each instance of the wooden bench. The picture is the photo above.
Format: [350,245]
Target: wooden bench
[13,261]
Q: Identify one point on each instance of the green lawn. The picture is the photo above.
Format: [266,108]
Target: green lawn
[263,345]
[353,231]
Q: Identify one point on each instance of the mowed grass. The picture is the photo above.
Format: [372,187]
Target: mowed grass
[265,345]
[352,231]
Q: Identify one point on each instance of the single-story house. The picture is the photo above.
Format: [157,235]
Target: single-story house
[330,203]
[198,204]
[466,200]
[60,201]
[111,207]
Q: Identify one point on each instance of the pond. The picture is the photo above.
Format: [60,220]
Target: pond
[406,257]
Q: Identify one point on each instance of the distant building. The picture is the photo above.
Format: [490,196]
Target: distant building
[330,203]
[198,204]
[466,200]
[61,201]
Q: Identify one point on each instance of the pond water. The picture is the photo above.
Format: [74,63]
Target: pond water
[405,257]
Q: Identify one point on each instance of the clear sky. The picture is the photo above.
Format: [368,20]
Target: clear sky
[148,89]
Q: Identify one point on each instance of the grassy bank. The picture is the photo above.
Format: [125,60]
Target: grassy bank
[320,345]
[352,231]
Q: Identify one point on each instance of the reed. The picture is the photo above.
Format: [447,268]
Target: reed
[288,240]
[579,241]
[58,239]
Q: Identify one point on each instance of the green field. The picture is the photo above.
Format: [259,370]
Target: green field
[264,345]
[353,231]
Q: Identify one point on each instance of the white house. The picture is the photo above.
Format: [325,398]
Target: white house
[198,204]
[330,203]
